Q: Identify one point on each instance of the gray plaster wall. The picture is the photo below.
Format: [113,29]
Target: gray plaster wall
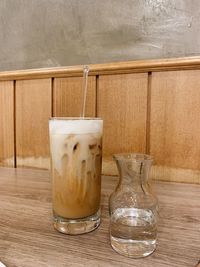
[48,33]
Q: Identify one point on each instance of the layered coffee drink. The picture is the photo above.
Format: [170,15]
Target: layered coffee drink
[76,156]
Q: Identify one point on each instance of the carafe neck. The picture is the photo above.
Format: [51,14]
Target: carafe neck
[134,171]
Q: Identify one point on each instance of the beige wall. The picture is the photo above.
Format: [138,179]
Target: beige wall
[46,33]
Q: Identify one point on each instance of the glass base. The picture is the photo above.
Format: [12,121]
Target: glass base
[76,226]
[133,248]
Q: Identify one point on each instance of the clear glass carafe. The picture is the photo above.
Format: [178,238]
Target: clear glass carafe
[133,207]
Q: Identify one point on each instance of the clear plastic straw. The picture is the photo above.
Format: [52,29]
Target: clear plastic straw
[85,83]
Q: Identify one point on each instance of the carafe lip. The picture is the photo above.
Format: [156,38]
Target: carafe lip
[134,157]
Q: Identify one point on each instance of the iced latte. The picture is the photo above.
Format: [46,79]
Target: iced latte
[76,153]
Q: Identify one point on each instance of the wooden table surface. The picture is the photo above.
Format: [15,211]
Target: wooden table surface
[28,239]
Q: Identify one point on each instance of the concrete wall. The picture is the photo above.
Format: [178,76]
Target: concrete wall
[48,33]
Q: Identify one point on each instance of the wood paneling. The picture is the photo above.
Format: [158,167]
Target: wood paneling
[122,103]
[68,96]
[167,127]
[33,109]
[7,123]
[175,124]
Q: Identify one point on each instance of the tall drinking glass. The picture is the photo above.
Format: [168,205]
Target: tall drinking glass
[76,157]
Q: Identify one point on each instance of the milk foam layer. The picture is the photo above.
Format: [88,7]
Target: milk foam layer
[75,126]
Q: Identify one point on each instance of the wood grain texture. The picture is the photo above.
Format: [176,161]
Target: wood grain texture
[33,109]
[27,237]
[7,123]
[162,173]
[175,123]
[106,68]
[122,103]
[68,97]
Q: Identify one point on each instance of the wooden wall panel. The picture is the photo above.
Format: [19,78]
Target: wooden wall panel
[68,95]
[167,127]
[175,125]
[7,123]
[33,109]
[122,103]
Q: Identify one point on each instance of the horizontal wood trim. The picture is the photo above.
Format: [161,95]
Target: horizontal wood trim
[184,63]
